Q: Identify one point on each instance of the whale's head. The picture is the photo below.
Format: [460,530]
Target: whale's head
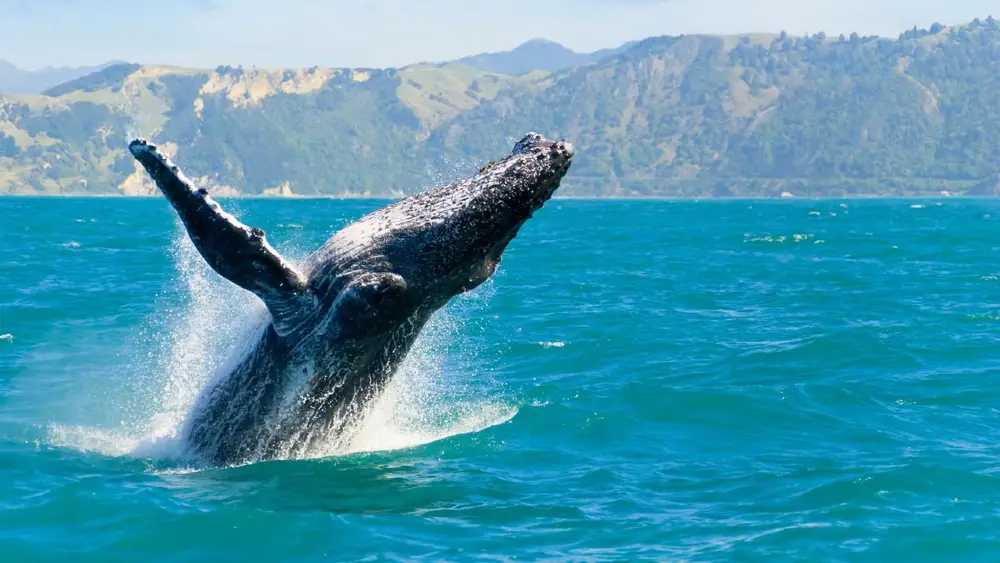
[421,251]
[454,236]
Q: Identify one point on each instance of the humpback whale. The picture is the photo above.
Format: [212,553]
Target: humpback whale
[340,323]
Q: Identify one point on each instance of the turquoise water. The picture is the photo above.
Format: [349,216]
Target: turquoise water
[696,381]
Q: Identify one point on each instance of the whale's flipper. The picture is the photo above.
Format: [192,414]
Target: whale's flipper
[237,252]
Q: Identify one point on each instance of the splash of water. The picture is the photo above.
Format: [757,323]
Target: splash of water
[431,396]
[438,391]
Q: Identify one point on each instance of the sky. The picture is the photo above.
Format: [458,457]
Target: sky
[387,33]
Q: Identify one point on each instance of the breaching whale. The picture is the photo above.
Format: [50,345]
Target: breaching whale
[341,322]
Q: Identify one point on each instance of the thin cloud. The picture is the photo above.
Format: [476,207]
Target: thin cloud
[54,8]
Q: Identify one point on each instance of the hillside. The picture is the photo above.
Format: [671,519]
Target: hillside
[250,131]
[14,80]
[669,116]
[697,116]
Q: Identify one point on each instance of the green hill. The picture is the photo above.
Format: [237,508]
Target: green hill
[248,131]
[702,116]
[668,116]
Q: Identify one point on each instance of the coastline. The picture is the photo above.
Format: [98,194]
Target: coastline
[930,196]
[791,189]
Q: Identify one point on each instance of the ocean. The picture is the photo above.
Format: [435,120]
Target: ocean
[788,380]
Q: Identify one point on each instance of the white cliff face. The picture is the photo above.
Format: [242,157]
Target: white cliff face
[249,87]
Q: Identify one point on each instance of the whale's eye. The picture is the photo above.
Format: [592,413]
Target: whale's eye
[373,302]
[376,288]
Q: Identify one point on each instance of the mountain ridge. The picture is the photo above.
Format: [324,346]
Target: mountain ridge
[15,80]
[669,116]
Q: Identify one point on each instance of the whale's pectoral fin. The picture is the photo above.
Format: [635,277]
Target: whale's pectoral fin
[237,252]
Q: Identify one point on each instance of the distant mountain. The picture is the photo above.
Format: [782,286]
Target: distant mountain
[14,80]
[537,54]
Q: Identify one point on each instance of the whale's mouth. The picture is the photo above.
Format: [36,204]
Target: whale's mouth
[553,162]
[560,155]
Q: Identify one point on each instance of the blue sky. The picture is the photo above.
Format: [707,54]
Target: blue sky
[380,33]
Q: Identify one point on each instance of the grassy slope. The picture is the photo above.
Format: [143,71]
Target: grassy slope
[312,131]
[708,116]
